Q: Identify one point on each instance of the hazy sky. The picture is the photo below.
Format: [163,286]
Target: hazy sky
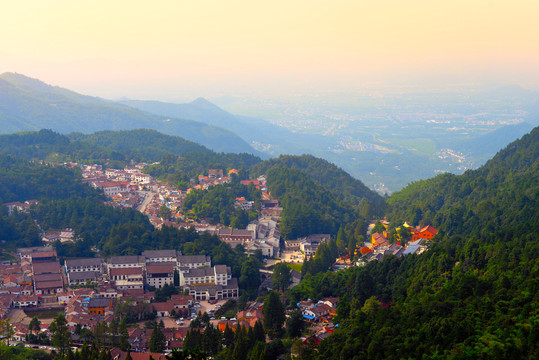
[171,49]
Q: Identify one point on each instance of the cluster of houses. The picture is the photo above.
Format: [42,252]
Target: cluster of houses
[19,206]
[319,315]
[38,278]
[379,247]
[87,289]
[308,244]
[214,177]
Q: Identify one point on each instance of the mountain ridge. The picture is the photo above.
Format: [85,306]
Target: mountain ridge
[30,104]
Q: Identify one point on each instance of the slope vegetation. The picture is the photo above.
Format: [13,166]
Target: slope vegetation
[333,178]
[29,104]
[473,295]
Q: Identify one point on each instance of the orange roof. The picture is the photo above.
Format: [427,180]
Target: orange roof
[429,229]
[365,250]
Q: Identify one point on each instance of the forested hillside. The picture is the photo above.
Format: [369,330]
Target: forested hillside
[473,295]
[333,178]
[308,207]
[29,104]
[483,201]
[139,144]
[179,170]
[117,148]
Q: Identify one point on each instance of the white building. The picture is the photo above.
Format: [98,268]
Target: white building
[159,275]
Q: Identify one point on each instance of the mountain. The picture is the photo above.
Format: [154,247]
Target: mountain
[482,148]
[333,178]
[140,145]
[261,134]
[471,295]
[29,104]
[495,197]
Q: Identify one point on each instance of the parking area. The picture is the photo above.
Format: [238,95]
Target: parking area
[199,306]
[292,256]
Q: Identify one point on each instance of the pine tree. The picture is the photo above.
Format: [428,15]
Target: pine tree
[294,324]
[228,336]
[282,277]
[61,337]
[258,331]
[158,341]
[274,314]
[124,336]
[35,325]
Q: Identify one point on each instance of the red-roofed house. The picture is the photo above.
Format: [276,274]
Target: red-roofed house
[428,232]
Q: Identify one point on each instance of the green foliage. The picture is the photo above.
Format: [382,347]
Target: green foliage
[295,324]
[325,257]
[179,170]
[378,228]
[331,177]
[163,294]
[308,207]
[480,201]
[217,204]
[473,295]
[158,341]
[61,338]
[282,277]
[22,353]
[274,314]
[250,276]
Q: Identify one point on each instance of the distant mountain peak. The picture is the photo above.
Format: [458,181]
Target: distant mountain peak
[23,81]
[205,104]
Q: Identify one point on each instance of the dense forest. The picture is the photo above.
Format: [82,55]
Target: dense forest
[320,197]
[137,145]
[179,170]
[331,177]
[217,204]
[140,144]
[308,207]
[473,295]
[480,201]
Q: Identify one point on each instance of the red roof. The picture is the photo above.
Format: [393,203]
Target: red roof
[126,271]
[251,181]
[429,229]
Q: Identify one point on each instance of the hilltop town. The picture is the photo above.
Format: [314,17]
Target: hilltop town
[165,285]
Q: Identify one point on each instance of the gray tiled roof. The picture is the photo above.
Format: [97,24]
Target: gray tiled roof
[84,262]
[159,253]
[200,272]
[193,259]
[83,275]
[130,259]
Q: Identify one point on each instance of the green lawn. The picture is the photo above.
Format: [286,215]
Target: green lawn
[295,266]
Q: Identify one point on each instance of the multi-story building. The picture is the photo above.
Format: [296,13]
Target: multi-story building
[217,275]
[82,265]
[131,261]
[159,275]
[47,278]
[235,237]
[82,277]
[128,278]
[160,256]
[186,262]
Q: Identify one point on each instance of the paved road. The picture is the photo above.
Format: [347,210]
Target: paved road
[148,195]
